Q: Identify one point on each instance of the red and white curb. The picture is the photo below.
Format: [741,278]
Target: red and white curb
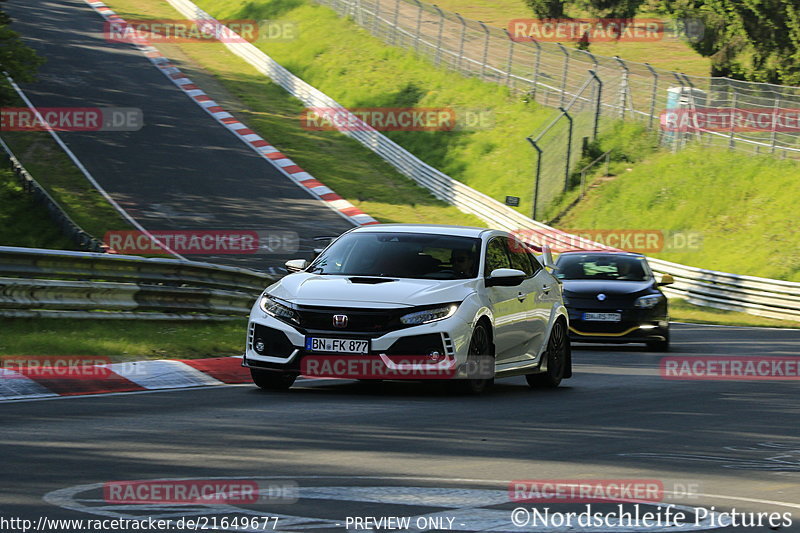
[135,376]
[286,166]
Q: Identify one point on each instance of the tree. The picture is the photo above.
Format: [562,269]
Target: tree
[18,60]
[547,9]
[621,9]
[755,41]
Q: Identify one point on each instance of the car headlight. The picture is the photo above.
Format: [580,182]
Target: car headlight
[429,315]
[274,308]
[648,302]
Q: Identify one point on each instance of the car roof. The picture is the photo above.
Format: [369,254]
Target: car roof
[434,229]
[601,252]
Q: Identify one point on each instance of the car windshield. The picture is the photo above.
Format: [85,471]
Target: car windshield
[400,255]
[602,267]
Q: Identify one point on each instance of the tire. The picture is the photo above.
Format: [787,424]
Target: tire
[272,380]
[479,345]
[558,358]
[659,346]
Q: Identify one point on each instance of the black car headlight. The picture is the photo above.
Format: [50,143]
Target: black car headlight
[429,315]
[279,310]
[649,301]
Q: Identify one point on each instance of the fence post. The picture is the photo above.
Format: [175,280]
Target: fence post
[564,74]
[419,25]
[538,173]
[461,41]
[438,53]
[623,87]
[594,68]
[653,96]
[569,149]
[395,29]
[511,44]
[536,69]
[599,103]
[376,22]
[774,134]
[733,119]
[485,48]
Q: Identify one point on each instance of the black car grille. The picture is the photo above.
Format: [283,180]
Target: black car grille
[417,345]
[358,320]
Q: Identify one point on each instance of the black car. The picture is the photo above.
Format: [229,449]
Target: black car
[614,297]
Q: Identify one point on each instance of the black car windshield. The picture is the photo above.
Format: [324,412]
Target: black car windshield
[400,255]
[602,267]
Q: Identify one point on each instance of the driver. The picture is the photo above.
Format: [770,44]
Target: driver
[463,262]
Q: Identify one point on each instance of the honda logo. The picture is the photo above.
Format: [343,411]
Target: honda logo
[340,321]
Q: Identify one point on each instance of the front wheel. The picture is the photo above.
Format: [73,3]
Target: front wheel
[659,346]
[557,357]
[480,348]
[272,380]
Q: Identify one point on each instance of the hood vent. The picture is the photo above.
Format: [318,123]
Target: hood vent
[370,281]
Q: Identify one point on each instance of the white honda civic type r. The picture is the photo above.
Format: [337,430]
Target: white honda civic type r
[455,297]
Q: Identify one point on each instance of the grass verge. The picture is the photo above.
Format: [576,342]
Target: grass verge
[23,222]
[739,207]
[122,339]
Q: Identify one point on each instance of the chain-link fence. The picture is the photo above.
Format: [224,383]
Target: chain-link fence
[553,74]
[591,90]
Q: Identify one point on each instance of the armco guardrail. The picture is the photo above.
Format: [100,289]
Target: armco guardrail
[54,283]
[771,301]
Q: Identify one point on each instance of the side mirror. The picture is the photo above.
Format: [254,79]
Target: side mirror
[547,257]
[666,279]
[296,265]
[505,277]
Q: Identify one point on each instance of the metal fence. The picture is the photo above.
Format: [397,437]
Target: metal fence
[55,283]
[553,74]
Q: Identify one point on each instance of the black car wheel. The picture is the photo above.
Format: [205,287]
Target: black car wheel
[480,349]
[660,346]
[272,380]
[557,359]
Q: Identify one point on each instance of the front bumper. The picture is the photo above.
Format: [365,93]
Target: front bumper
[274,345]
[636,326]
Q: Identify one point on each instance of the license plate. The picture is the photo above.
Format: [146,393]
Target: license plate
[602,317]
[320,344]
